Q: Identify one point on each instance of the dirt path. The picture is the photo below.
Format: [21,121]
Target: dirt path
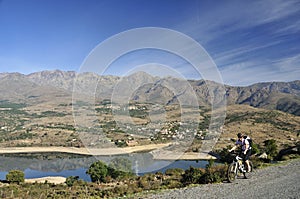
[280,182]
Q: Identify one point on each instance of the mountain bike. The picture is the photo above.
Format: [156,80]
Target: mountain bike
[237,168]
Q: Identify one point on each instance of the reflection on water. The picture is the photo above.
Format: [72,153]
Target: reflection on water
[61,164]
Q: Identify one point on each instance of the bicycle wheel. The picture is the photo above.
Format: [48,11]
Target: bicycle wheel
[248,174]
[231,172]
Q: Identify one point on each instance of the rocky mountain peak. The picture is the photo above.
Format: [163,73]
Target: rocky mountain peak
[142,86]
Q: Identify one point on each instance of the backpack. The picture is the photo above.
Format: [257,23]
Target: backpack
[249,140]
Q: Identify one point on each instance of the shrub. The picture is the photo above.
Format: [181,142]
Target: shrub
[98,171]
[225,156]
[213,174]
[174,172]
[210,177]
[145,181]
[271,148]
[71,180]
[120,190]
[255,149]
[192,176]
[15,176]
[172,183]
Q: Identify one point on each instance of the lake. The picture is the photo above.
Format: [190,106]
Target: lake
[62,164]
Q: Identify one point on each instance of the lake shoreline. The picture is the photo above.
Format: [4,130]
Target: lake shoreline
[153,148]
[48,179]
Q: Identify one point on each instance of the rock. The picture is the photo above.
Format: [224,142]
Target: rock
[263,156]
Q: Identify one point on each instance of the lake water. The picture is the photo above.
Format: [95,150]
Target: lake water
[49,164]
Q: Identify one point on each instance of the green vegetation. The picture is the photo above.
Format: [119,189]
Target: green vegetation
[11,116]
[271,148]
[71,180]
[138,113]
[192,176]
[269,117]
[204,124]
[108,182]
[98,172]
[52,114]
[213,174]
[106,185]
[7,104]
[118,169]
[15,176]
[15,123]
[104,110]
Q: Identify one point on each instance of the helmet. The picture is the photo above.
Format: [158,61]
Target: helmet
[239,135]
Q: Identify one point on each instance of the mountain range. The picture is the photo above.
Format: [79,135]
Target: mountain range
[47,86]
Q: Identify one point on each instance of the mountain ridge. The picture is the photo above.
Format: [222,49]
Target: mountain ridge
[141,86]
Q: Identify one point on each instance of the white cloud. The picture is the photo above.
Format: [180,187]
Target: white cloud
[289,29]
[246,73]
[225,56]
[245,59]
[227,17]
[288,64]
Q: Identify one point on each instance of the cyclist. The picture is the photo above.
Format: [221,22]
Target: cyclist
[243,142]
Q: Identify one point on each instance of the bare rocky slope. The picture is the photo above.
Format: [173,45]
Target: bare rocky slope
[284,96]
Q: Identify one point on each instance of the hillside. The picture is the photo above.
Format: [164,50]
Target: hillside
[142,87]
[36,109]
[260,124]
[284,96]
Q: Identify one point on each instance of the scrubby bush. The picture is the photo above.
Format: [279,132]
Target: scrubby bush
[216,174]
[271,148]
[98,171]
[145,181]
[172,183]
[15,176]
[225,155]
[255,148]
[71,180]
[174,172]
[213,174]
[192,176]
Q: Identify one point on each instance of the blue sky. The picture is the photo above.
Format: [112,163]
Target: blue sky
[249,41]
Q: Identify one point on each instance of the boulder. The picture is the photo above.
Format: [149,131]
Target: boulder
[263,156]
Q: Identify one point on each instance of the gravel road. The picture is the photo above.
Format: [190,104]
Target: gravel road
[280,182]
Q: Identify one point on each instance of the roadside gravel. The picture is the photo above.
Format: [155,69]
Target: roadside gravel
[281,181]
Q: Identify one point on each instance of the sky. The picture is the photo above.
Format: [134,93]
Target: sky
[248,41]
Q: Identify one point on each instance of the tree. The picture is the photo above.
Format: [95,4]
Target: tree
[15,176]
[98,171]
[271,148]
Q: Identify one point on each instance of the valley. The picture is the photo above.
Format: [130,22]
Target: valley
[38,110]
